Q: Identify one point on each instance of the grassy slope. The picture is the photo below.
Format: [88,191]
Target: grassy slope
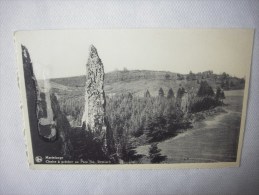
[134,81]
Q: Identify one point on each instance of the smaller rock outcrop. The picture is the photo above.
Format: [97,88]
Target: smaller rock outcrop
[46,123]
[63,127]
[44,110]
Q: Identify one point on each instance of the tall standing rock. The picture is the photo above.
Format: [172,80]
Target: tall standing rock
[94,114]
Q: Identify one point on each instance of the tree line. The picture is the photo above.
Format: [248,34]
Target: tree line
[154,118]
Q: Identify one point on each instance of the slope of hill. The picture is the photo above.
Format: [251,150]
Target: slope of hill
[70,91]
[138,81]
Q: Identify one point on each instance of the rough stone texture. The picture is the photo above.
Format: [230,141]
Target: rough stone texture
[94,113]
[94,118]
[46,124]
[46,119]
[62,126]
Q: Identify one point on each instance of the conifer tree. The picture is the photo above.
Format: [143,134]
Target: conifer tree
[205,89]
[147,94]
[161,92]
[222,95]
[170,93]
[155,155]
[218,93]
[180,92]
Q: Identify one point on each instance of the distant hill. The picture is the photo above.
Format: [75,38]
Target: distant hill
[70,91]
[138,81]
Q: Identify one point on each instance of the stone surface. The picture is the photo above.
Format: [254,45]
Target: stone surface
[94,119]
[47,123]
[94,113]
[63,127]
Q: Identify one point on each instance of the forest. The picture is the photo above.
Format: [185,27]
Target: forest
[138,120]
[146,107]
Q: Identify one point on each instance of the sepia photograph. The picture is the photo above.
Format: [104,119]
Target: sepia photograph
[134,98]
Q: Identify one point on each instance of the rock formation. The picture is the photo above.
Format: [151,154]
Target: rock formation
[94,114]
[62,126]
[46,123]
[44,113]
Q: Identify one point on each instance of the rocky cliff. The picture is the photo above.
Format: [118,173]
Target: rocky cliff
[46,123]
[46,119]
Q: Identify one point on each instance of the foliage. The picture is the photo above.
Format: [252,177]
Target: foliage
[191,76]
[73,108]
[161,92]
[220,95]
[205,90]
[128,152]
[170,93]
[155,155]
[180,76]
[179,96]
[149,118]
[203,103]
[147,94]
[87,146]
[157,117]
[157,78]
[180,92]
[167,76]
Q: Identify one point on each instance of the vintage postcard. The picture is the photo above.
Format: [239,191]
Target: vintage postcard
[136,98]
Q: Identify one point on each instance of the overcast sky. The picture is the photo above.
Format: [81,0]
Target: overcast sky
[64,53]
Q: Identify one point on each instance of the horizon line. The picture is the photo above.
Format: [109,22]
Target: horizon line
[146,70]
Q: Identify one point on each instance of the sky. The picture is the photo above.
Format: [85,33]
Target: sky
[64,53]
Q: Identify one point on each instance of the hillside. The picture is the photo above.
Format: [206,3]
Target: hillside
[138,81]
[136,113]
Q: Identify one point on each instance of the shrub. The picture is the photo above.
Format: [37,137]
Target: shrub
[155,155]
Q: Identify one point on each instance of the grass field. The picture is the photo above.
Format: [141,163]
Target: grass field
[213,140]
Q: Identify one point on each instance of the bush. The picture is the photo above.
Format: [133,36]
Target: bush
[205,90]
[200,104]
[155,155]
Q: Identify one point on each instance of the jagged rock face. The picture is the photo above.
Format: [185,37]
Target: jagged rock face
[43,110]
[29,77]
[94,97]
[46,123]
[44,113]
[94,119]
[62,125]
